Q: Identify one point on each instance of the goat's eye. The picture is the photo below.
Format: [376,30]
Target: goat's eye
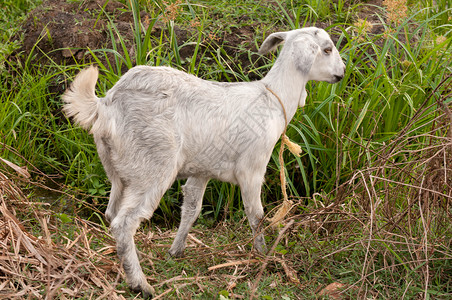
[328,50]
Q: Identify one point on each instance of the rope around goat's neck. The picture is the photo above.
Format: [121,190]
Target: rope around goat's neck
[283,108]
[296,150]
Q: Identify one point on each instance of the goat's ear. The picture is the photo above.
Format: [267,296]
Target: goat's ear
[305,52]
[272,41]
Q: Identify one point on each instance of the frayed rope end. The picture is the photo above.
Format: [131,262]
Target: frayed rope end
[281,213]
[294,148]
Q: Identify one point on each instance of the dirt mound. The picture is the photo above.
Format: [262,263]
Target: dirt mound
[64,31]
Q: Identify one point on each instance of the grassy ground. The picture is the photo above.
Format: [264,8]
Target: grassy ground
[372,189]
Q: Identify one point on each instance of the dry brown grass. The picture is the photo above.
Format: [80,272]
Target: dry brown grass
[35,264]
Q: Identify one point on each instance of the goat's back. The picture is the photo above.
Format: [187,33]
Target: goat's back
[207,126]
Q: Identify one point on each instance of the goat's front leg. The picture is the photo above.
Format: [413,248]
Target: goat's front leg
[251,195]
[193,192]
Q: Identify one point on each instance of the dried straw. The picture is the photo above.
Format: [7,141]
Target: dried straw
[33,265]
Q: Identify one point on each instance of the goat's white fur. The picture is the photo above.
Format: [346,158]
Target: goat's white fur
[158,124]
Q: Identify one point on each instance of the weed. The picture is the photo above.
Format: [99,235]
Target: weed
[397,10]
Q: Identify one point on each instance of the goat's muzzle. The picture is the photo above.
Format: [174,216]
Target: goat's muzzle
[336,78]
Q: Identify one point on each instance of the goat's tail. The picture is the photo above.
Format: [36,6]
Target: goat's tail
[80,100]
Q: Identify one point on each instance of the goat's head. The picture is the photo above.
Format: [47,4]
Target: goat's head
[310,50]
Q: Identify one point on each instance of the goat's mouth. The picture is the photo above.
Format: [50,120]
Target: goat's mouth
[336,78]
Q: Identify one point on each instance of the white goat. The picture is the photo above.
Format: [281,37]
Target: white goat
[158,124]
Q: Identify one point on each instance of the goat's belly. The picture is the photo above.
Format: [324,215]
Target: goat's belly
[218,169]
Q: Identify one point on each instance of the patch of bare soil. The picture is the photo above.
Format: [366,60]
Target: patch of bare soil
[58,26]
[64,31]
[370,12]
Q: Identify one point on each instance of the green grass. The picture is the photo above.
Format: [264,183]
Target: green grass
[366,141]
[380,95]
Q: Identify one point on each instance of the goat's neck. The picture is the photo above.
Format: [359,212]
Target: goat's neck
[289,85]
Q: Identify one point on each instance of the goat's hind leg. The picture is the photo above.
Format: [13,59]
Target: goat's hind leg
[193,192]
[123,228]
[114,201]
[117,186]
[137,204]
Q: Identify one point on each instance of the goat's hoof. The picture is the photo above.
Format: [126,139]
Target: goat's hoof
[140,256]
[146,290]
[261,247]
[109,216]
[176,253]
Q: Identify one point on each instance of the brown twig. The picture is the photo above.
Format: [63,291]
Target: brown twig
[234,263]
